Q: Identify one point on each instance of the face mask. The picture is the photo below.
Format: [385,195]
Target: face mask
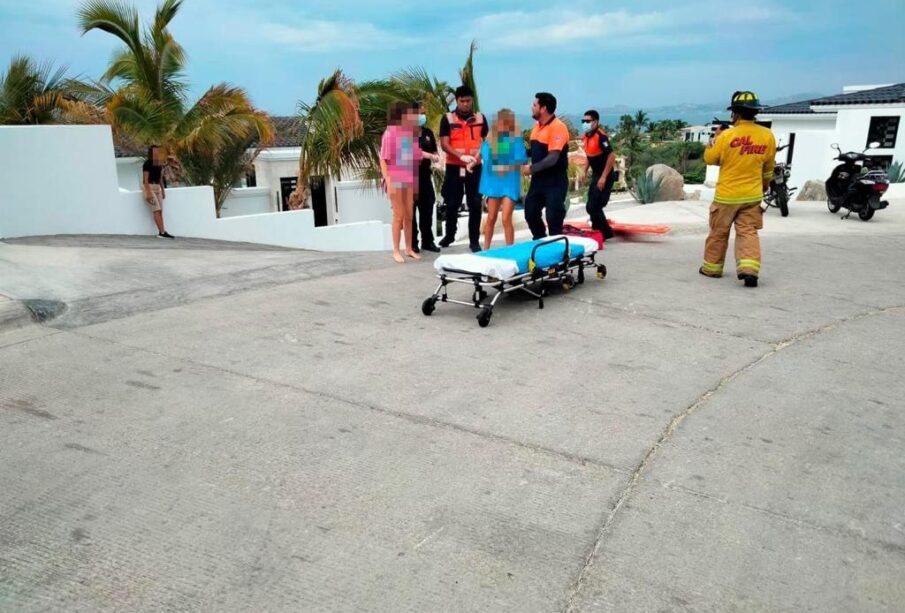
[587,127]
[422,120]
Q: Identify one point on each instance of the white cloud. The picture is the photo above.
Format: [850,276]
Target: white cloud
[567,27]
[321,35]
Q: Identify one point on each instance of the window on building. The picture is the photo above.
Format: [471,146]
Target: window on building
[884,131]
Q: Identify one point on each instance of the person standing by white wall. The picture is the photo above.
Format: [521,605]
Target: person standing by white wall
[153,187]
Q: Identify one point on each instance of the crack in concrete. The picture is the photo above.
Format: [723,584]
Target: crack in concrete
[791,519]
[663,320]
[698,327]
[27,340]
[674,424]
[409,417]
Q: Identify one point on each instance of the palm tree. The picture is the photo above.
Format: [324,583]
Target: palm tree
[150,98]
[145,92]
[328,127]
[32,93]
[467,74]
[626,124]
[641,119]
[417,85]
[630,144]
[221,167]
[343,127]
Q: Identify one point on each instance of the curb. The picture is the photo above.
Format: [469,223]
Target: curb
[14,315]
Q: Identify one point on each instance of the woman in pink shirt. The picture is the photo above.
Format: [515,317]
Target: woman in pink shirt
[399,158]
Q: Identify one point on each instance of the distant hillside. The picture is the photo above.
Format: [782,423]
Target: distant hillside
[692,114]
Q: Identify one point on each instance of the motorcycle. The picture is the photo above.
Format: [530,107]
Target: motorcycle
[855,186]
[778,192]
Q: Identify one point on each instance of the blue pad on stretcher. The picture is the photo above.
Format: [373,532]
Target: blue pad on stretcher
[508,262]
[545,256]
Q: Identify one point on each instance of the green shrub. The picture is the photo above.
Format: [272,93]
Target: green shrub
[896,173]
[645,188]
[696,173]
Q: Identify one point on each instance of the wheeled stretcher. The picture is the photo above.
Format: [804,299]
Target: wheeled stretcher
[524,267]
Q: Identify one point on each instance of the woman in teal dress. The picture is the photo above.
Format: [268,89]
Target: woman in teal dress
[503,154]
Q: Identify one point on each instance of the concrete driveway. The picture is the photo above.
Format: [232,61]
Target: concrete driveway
[220,427]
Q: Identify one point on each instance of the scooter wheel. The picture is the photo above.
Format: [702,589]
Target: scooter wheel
[834,208]
[866,213]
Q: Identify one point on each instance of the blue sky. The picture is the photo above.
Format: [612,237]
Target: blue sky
[644,53]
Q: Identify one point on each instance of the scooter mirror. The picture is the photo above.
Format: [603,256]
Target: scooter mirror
[836,146]
[874,145]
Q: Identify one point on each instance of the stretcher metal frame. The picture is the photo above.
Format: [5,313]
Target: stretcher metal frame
[568,272]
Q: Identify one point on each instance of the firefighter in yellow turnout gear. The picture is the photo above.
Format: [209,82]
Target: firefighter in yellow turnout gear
[745,154]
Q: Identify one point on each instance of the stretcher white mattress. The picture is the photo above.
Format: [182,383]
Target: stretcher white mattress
[498,268]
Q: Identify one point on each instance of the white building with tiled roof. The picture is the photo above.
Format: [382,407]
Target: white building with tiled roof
[861,114]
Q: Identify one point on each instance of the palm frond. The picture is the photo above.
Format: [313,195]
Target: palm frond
[467,73]
[115,17]
[32,93]
[122,66]
[165,13]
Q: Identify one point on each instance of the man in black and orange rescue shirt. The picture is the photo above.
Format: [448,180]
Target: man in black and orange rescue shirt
[601,160]
[461,135]
[549,169]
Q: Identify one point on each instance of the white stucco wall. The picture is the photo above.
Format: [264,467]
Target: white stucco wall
[812,154]
[53,178]
[814,135]
[83,197]
[784,125]
[248,201]
[813,157]
[349,199]
[361,201]
[128,172]
[853,125]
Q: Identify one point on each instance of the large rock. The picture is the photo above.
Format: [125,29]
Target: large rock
[672,184]
[812,190]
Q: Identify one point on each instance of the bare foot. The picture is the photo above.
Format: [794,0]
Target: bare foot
[398,257]
[413,255]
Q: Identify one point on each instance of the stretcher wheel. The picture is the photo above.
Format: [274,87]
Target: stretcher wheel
[580,276]
[601,272]
[568,282]
[429,305]
[540,303]
[484,317]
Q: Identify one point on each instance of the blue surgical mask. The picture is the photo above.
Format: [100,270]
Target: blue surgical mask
[422,120]
[586,127]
